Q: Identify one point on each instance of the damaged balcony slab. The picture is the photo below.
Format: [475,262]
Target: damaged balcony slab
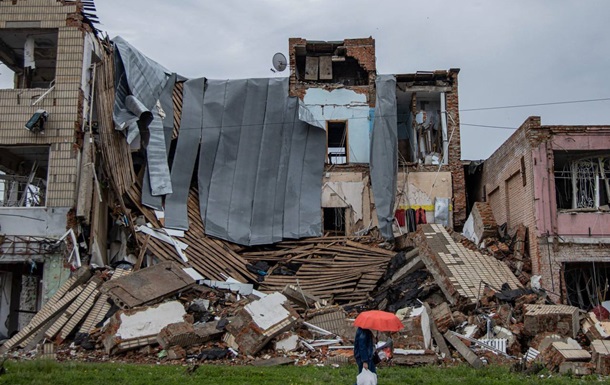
[131,329]
[461,273]
[560,319]
[147,286]
[260,321]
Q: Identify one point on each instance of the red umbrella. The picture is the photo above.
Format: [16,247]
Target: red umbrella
[378,320]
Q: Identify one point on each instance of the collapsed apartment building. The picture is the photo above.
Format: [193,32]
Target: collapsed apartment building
[554,181]
[321,156]
[49,47]
[239,214]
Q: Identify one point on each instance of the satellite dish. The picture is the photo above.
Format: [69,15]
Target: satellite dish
[279,62]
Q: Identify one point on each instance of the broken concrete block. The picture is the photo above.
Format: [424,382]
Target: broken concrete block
[464,350]
[177,334]
[560,352]
[560,319]
[333,319]
[131,329]
[259,321]
[460,272]
[595,329]
[147,286]
[575,368]
[287,342]
[480,224]
[302,298]
[600,356]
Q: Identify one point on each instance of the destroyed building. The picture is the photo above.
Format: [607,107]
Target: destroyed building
[554,180]
[48,48]
[418,152]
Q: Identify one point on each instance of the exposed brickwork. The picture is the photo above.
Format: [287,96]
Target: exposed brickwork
[363,50]
[63,103]
[518,182]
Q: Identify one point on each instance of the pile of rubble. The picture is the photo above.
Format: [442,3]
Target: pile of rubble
[459,298]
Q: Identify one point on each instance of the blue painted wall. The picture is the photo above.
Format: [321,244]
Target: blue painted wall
[344,104]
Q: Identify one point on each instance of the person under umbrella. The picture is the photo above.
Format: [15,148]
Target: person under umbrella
[364,349]
[364,344]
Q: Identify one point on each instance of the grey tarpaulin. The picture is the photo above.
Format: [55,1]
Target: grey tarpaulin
[384,153]
[135,75]
[157,169]
[176,214]
[260,167]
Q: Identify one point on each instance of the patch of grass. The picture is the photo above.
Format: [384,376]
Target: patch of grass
[45,372]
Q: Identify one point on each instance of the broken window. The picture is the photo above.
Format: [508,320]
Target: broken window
[336,142]
[334,221]
[582,180]
[422,127]
[587,283]
[30,56]
[328,62]
[23,176]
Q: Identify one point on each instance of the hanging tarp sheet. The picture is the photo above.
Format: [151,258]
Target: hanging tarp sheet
[260,167]
[384,153]
[139,84]
[183,166]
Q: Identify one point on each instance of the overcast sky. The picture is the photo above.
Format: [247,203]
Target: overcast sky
[509,52]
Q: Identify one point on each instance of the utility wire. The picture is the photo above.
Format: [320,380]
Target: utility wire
[534,104]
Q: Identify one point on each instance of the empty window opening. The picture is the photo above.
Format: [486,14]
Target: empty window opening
[334,221]
[328,62]
[587,284]
[337,146]
[582,180]
[23,176]
[29,57]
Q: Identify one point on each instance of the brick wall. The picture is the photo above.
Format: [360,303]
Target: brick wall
[504,175]
[502,178]
[65,116]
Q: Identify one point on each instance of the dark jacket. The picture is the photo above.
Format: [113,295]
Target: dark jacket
[364,346]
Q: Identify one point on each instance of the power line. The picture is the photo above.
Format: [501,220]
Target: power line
[535,104]
[488,126]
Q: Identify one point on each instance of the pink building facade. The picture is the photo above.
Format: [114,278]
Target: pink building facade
[555,181]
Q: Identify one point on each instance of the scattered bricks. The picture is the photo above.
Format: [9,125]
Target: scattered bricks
[414,357]
[259,321]
[600,354]
[560,319]
[176,353]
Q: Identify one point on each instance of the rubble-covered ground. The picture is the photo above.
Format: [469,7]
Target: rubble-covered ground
[458,303]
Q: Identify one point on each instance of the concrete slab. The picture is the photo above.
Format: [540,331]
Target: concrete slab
[459,272]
